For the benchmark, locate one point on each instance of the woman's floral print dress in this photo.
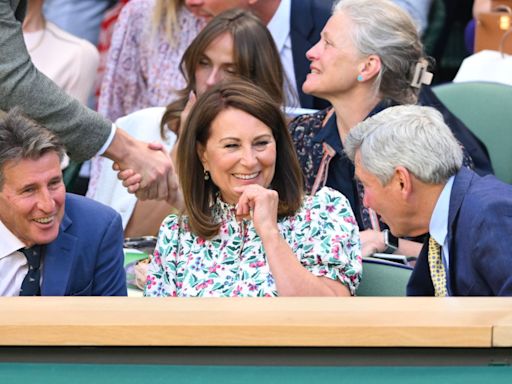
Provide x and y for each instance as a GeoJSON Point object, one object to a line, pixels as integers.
{"type": "Point", "coordinates": [323, 235]}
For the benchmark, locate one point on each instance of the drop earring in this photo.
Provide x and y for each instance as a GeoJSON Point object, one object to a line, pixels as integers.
{"type": "Point", "coordinates": [206, 175]}
{"type": "Point", "coordinates": [359, 78]}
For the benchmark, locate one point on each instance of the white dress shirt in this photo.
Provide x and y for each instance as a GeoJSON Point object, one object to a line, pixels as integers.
{"type": "Point", "coordinates": [13, 264]}
{"type": "Point", "coordinates": [279, 27]}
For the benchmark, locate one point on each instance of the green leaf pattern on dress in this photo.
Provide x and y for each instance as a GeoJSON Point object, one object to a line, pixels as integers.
{"type": "Point", "coordinates": [323, 235]}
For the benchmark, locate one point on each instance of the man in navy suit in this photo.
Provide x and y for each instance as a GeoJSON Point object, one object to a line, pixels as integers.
{"type": "Point", "coordinates": [53, 243]}
{"type": "Point", "coordinates": [295, 26]}
{"type": "Point", "coordinates": [410, 165]}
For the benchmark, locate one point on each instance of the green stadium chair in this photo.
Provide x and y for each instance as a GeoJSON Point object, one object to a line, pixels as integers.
{"type": "Point", "coordinates": [486, 109]}
{"type": "Point", "coordinates": [383, 278]}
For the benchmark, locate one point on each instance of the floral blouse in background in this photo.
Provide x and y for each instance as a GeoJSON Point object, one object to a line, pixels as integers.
{"type": "Point", "coordinates": [142, 69]}
{"type": "Point", "coordinates": [323, 235]}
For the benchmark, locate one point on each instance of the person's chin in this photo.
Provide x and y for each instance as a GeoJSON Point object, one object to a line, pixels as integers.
{"type": "Point", "coordinates": [203, 15]}
{"type": "Point", "coordinates": [310, 88]}
{"type": "Point", "coordinates": [45, 236]}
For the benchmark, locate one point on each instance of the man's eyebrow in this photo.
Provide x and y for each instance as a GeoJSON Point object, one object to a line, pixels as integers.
{"type": "Point", "coordinates": [25, 186]}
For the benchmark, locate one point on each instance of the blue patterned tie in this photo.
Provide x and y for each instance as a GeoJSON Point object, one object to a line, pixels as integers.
{"type": "Point", "coordinates": [31, 283]}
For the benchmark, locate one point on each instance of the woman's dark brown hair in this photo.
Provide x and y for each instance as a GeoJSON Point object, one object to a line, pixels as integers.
{"type": "Point", "coordinates": [199, 193]}
{"type": "Point", "coordinates": [255, 58]}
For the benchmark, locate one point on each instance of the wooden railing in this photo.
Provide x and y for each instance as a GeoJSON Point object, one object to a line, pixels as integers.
{"type": "Point", "coordinates": [319, 322]}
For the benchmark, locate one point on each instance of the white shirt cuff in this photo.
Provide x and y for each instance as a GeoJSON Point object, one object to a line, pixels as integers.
{"type": "Point", "coordinates": [109, 140]}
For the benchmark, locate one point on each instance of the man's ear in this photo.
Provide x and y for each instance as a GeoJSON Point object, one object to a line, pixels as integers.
{"type": "Point", "coordinates": [403, 178]}
{"type": "Point", "coordinates": [370, 67]}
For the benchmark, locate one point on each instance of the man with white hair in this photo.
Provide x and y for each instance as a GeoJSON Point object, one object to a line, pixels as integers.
{"type": "Point", "coordinates": [410, 165]}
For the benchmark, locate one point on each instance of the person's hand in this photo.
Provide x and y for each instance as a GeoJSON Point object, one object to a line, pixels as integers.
{"type": "Point", "coordinates": [372, 241]}
{"type": "Point", "coordinates": [147, 172]}
{"type": "Point", "coordinates": [261, 205]}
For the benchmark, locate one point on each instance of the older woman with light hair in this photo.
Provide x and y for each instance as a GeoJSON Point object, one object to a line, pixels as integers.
{"type": "Point", "coordinates": [370, 57]}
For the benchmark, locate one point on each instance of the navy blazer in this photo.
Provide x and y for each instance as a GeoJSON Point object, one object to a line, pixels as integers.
{"type": "Point", "coordinates": [86, 258]}
{"type": "Point", "coordinates": [479, 237]}
{"type": "Point", "coordinates": [307, 19]}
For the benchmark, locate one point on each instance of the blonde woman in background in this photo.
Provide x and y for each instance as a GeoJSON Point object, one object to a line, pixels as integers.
{"type": "Point", "coordinates": [143, 64]}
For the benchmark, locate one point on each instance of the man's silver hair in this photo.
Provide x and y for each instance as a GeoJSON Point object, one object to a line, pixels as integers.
{"type": "Point", "coordinates": [411, 136]}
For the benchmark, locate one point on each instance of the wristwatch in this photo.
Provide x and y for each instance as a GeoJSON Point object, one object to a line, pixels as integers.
{"type": "Point", "coordinates": [390, 241]}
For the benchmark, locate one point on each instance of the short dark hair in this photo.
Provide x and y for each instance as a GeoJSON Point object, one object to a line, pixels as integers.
{"type": "Point", "coordinates": [199, 193]}
{"type": "Point", "coordinates": [23, 138]}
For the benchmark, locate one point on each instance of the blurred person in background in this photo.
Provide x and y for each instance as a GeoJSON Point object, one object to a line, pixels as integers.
{"type": "Point", "coordinates": [142, 67]}
{"type": "Point", "coordinates": [69, 61]}
{"type": "Point", "coordinates": [295, 26]}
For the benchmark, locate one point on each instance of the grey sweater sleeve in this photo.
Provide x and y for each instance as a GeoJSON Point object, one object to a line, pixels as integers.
{"type": "Point", "coordinates": [82, 130]}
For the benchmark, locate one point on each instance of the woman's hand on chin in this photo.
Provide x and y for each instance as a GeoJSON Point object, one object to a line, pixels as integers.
{"type": "Point", "coordinates": [261, 205]}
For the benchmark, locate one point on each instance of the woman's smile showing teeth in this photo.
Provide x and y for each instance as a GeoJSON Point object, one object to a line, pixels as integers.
{"type": "Point", "coordinates": [245, 176]}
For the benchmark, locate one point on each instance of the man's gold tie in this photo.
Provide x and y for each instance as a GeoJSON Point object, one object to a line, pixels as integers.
{"type": "Point", "coordinates": [437, 272]}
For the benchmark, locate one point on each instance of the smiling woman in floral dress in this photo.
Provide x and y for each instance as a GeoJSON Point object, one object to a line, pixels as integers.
{"type": "Point", "coordinates": [248, 230]}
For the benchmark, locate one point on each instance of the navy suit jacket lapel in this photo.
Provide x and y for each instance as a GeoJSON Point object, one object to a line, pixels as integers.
{"type": "Point", "coordinates": [301, 28]}
{"type": "Point", "coordinates": [459, 189]}
{"type": "Point", "coordinates": [420, 283]}
{"type": "Point", "coordinates": [58, 261]}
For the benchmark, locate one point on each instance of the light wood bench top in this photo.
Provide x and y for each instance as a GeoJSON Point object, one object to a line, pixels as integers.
{"type": "Point", "coordinates": [325, 322]}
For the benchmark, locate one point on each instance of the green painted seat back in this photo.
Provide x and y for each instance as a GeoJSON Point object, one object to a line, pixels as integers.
{"type": "Point", "coordinates": [383, 278]}
{"type": "Point", "coordinates": [486, 109]}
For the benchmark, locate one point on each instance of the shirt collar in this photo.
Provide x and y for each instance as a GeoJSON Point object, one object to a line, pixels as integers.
{"type": "Point", "coordinates": [221, 210]}
{"type": "Point", "coordinates": [329, 134]}
{"type": "Point", "coordinates": [386, 103]}
{"type": "Point", "coordinates": [10, 243]}
{"type": "Point", "coordinates": [279, 25]}
{"type": "Point", "coordinates": [438, 227]}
